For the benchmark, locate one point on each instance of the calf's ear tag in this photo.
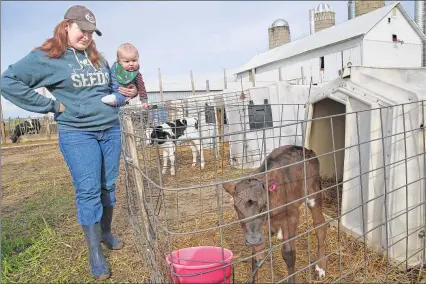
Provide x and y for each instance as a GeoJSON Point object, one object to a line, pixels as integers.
{"type": "Point", "coordinates": [273, 185]}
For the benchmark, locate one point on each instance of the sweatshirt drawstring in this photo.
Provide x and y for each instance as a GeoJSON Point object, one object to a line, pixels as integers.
{"type": "Point", "coordinates": [76, 58]}
{"type": "Point", "coordinates": [87, 57]}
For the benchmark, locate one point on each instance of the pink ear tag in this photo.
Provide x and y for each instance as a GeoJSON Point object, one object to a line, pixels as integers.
{"type": "Point", "coordinates": [273, 185]}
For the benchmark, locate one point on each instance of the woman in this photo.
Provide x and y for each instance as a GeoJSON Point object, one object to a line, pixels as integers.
{"type": "Point", "coordinates": [71, 68]}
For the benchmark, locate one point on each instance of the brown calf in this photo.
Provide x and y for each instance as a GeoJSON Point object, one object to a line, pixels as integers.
{"type": "Point", "coordinates": [285, 185]}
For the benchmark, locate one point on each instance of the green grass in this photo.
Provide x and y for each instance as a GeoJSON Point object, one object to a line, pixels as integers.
{"type": "Point", "coordinates": [29, 237]}
{"type": "Point", "coordinates": [23, 254]}
{"type": "Point", "coordinates": [42, 240]}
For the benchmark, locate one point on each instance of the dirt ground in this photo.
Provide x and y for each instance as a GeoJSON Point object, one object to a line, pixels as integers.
{"type": "Point", "coordinates": [47, 245]}
{"type": "Point", "coordinates": [36, 189]}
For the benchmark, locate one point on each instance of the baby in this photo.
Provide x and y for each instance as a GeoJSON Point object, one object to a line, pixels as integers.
{"type": "Point", "coordinates": [125, 71]}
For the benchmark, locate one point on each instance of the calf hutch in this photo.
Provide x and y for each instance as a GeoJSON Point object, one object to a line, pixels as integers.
{"type": "Point", "coordinates": [366, 130]}
{"type": "Point", "coordinates": [375, 127]}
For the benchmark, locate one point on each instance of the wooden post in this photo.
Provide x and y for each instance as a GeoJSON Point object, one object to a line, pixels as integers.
{"type": "Point", "coordinates": [161, 85]}
{"type": "Point", "coordinates": [131, 152]}
{"type": "Point", "coordinates": [225, 82]}
{"type": "Point", "coordinates": [303, 75]}
{"type": "Point", "coordinates": [207, 86]}
{"type": "Point", "coordinates": [47, 120]}
{"type": "Point", "coordinates": [192, 82]}
{"type": "Point", "coordinates": [280, 77]}
{"type": "Point", "coordinates": [2, 126]}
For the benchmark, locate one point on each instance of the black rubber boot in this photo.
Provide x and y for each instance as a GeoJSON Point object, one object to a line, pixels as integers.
{"type": "Point", "coordinates": [98, 265]}
{"type": "Point", "coordinates": [111, 241]}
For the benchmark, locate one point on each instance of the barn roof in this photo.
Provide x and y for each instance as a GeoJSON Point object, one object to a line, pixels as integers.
{"type": "Point", "coordinates": [350, 29]}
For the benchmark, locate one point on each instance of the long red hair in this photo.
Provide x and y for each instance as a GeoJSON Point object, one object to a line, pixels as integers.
{"type": "Point", "coordinates": [57, 45]}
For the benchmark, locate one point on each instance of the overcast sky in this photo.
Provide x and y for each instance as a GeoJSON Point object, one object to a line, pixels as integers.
{"type": "Point", "coordinates": [205, 37]}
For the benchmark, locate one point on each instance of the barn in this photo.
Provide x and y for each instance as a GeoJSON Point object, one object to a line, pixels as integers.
{"type": "Point", "coordinates": [385, 37]}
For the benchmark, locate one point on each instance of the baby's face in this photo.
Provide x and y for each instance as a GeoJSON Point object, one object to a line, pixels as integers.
{"type": "Point", "coordinates": [129, 60]}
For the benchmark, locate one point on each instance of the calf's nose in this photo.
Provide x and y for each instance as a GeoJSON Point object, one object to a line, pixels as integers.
{"type": "Point", "coordinates": [254, 240]}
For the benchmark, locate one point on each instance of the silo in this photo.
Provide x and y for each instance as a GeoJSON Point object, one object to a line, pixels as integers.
{"type": "Point", "coordinates": [311, 20]}
{"type": "Point", "coordinates": [363, 7]}
{"type": "Point", "coordinates": [351, 10]}
{"type": "Point", "coordinates": [279, 33]}
{"type": "Point", "coordinates": [324, 17]}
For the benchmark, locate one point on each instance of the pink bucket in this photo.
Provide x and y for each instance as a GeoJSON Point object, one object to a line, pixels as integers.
{"type": "Point", "coordinates": [195, 260]}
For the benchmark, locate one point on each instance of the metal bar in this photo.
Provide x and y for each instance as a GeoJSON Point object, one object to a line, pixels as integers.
{"type": "Point", "coordinates": [406, 186]}
{"type": "Point", "coordinates": [268, 206]}
{"type": "Point", "coordinates": [306, 202]}
{"type": "Point", "coordinates": [385, 197]}
{"type": "Point", "coordinates": [424, 181]}
{"type": "Point", "coordinates": [338, 197]}
{"type": "Point", "coordinates": [219, 207]}
{"type": "Point", "coordinates": [297, 126]}
{"type": "Point", "coordinates": [361, 195]}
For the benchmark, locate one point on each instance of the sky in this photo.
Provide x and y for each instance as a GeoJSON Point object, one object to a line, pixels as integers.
{"type": "Point", "coordinates": [175, 36]}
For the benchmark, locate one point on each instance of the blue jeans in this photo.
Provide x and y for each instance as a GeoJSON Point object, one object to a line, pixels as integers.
{"type": "Point", "coordinates": [93, 158]}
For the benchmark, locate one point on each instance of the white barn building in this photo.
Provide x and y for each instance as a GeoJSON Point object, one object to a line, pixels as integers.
{"type": "Point", "coordinates": [386, 37]}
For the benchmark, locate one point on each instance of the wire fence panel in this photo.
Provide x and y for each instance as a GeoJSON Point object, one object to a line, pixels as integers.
{"type": "Point", "coordinates": [285, 192]}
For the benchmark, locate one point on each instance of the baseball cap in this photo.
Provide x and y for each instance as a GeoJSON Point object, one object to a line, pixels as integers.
{"type": "Point", "coordinates": [83, 17]}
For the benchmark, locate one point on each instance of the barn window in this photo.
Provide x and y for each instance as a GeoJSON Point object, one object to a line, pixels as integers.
{"type": "Point", "coordinates": [251, 75]}
{"type": "Point", "coordinates": [322, 63]}
{"type": "Point", "coordinates": [394, 38]}
{"type": "Point", "coordinates": [394, 12]}
{"type": "Point", "coordinates": [209, 113]}
{"type": "Point", "coordinates": [260, 116]}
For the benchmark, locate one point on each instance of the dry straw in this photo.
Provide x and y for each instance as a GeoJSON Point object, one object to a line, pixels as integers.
{"type": "Point", "coordinates": [194, 210]}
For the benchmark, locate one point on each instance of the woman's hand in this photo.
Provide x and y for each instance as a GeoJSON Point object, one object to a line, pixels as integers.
{"type": "Point", "coordinates": [130, 91]}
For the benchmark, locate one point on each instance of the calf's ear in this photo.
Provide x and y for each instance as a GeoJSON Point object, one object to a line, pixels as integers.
{"type": "Point", "coordinates": [229, 187]}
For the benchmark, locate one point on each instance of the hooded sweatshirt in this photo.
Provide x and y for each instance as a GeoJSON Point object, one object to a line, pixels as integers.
{"type": "Point", "coordinates": [72, 79]}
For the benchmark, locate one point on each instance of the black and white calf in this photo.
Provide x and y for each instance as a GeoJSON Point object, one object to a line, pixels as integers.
{"type": "Point", "coordinates": [29, 126]}
{"type": "Point", "coordinates": [186, 132]}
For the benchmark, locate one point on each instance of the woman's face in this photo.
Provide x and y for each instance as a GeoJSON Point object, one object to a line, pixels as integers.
{"type": "Point", "coordinates": [77, 38]}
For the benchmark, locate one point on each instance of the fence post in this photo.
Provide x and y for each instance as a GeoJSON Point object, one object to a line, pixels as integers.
{"type": "Point", "coordinates": [10, 128]}
{"type": "Point", "coordinates": [130, 144]}
{"type": "Point", "coordinates": [225, 82]}
{"type": "Point", "coordinates": [161, 85]}
{"type": "Point", "coordinates": [47, 119]}
{"type": "Point", "coordinates": [192, 83]}
{"type": "Point", "coordinates": [3, 125]}
{"type": "Point", "coordinates": [3, 132]}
